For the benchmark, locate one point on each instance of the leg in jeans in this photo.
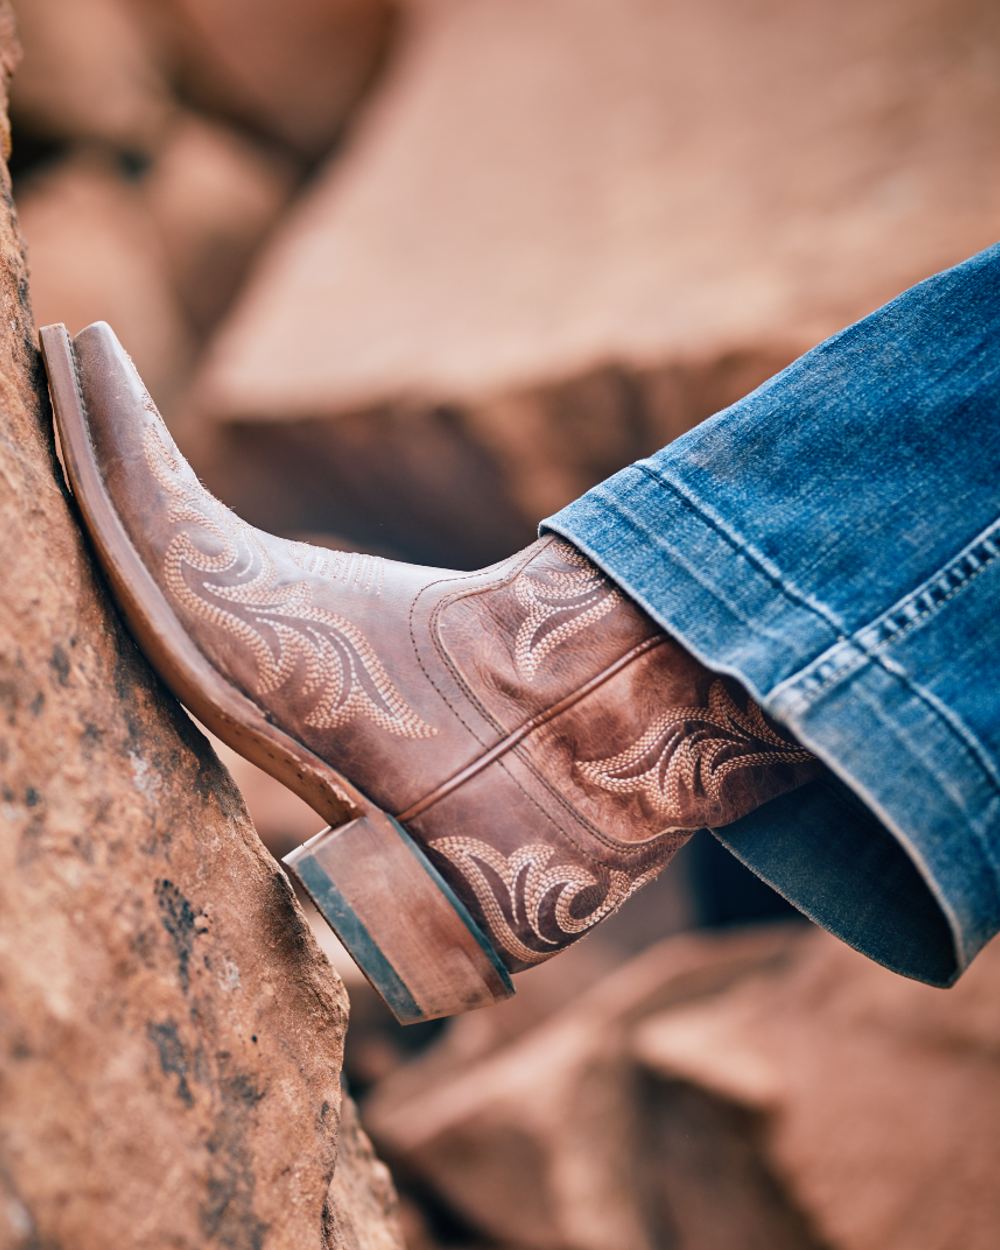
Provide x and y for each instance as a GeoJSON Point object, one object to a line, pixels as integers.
{"type": "Point", "coordinates": [781, 627]}
{"type": "Point", "coordinates": [833, 542]}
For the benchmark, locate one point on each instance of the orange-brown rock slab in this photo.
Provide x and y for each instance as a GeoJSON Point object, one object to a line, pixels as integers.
{"type": "Point", "coordinates": [362, 1210]}
{"type": "Point", "coordinates": [170, 1038]}
{"type": "Point", "coordinates": [89, 73]}
{"type": "Point", "coordinates": [867, 1100]}
{"type": "Point", "coordinates": [541, 1143]}
{"type": "Point", "coordinates": [771, 1090]}
{"type": "Point", "coordinates": [212, 195]}
{"type": "Point", "coordinates": [558, 223]}
{"type": "Point", "coordinates": [95, 254]}
{"type": "Point", "coordinates": [294, 71]}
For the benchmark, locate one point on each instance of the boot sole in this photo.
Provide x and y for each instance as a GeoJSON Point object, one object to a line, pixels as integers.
{"type": "Point", "coordinates": [401, 922]}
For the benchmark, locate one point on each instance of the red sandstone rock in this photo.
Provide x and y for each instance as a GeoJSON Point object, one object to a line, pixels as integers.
{"type": "Point", "coordinates": [95, 254]}
{"type": "Point", "coordinates": [282, 820]}
{"type": "Point", "coordinates": [293, 70]}
{"type": "Point", "coordinates": [539, 1143]}
{"type": "Point", "coordinates": [89, 72]}
{"type": "Point", "coordinates": [867, 1100]}
{"type": "Point", "coordinates": [362, 1210]}
{"type": "Point", "coordinates": [213, 196]}
{"type": "Point", "coordinates": [560, 224]}
{"type": "Point", "coordinates": [170, 1036]}
{"type": "Point", "coordinates": [770, 1090]}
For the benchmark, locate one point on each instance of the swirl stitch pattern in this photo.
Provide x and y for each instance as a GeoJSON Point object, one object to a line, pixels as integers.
{"type": "Point", "coordinates": [218, 569]}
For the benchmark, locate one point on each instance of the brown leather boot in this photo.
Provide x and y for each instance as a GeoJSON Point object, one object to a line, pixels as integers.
{"type": "Point", "coordinates": [503, 756]}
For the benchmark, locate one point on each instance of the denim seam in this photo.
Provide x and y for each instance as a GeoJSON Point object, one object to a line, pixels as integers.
{"type": "Point", "coordinates": [834, 670]}
{"type": "Point", "coordinates": [824, 680]}
{"type": "Point", "coordinates": [979, 838]}
{"type": "Point", "coordinates": [895, 632]}
{"type": "Point", "coordinates": [970, 745]}
{"type": "Point", "coordinates": [757, 558]}
{"type": "Point", "coordinates": [969, 742]}
{"type": "Point", "coordinates": [620, 513]}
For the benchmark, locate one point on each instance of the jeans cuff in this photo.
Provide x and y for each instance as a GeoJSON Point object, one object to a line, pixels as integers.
{"type": "Point", "coordinates": [880, 852]}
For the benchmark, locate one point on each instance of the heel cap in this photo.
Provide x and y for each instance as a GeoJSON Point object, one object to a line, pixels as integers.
{"type": "Point", "coordinates": [400, 921]}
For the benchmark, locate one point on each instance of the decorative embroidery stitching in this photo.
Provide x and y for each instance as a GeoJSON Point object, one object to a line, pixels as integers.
{"type": "Point", "coordinates": [279, 624]}
{"type": "Point", "coordinates": [353, 569]}
{"type": "Point", "coordinates": [693, 749]}
{"type": "Point", "coordinates": [559, 604]}
{"type": "Point", "coordinates": [528, 880]}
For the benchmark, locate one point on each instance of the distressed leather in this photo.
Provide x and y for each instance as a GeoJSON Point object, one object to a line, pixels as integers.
{"type": "Point", "coordinates": [543, 740]}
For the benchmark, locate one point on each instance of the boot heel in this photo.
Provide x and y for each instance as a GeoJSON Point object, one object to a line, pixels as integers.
{"type": "Point", "coordinates": [403, 925]}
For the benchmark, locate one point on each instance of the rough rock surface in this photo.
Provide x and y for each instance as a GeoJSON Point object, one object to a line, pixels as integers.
{"type": "Point", "coordinates": [170, 1038]}
{"type": "Point", "coordinates": [566, 229]}
{"type": "Point", "coordinates": [771, 1090]}
{"type": "Point", "coordinates": [361, 1210]}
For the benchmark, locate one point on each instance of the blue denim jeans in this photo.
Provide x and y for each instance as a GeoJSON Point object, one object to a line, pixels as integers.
{"type": "Point", "coordinates": [833, 541]}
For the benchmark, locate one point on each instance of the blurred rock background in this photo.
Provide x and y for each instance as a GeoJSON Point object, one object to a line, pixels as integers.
{"type": "Point", "coordinates": [409, 276]}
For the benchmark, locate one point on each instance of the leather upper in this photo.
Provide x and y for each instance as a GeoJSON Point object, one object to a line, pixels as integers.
{"type": "Point", "coordinates": [530, 725]}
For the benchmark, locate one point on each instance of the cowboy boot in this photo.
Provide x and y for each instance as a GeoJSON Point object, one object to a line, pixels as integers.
{"type": "Point", "coordinates": [502, 756]}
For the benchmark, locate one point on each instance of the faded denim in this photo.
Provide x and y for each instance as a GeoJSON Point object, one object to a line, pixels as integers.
{"type": "Point", "coordinates": [833, 541]}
